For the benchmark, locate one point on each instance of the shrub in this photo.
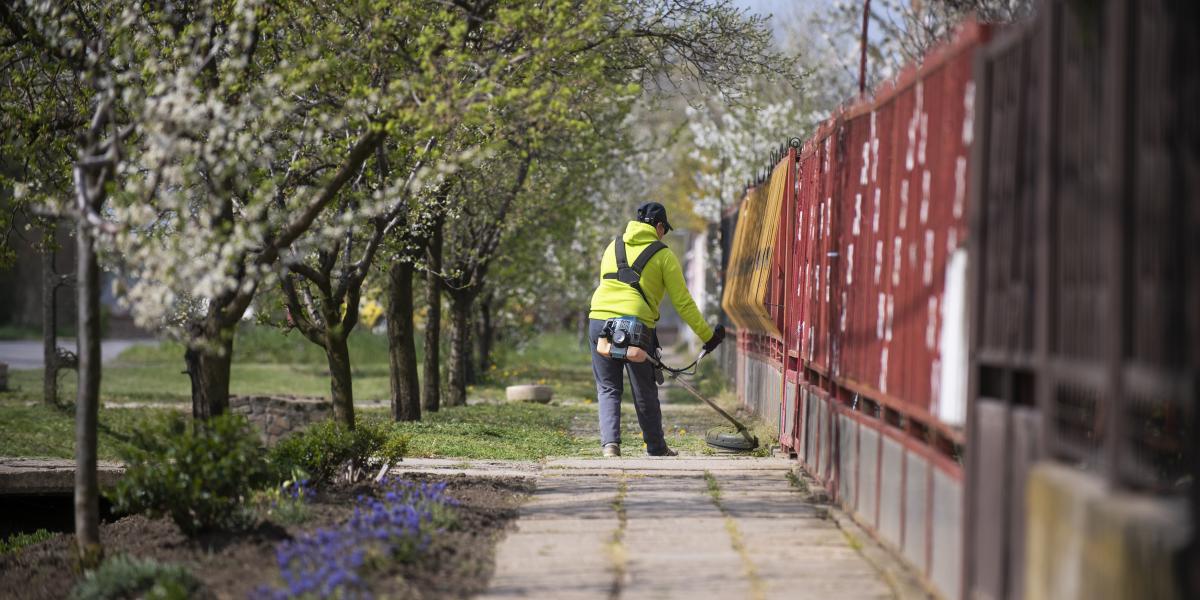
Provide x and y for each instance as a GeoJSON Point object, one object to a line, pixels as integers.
{"type": "Point", "coordinates": [19, 540]}
{"type": "Point", "coordinates": [123, 577]}
{"type": "Point", "coordinates": [394, 447]}
{"type": "Point", "coordinates": [287, 503]}
{"type": "Point", "coordinates": [197, 473]}
{"type": "Point", "coordinates": [324, 449]}
{"type": "Point", "coordinates": [398, 525]}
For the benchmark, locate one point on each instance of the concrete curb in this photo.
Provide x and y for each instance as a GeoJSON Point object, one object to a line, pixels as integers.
{"type": "Point", "coordinates": [49, 476]}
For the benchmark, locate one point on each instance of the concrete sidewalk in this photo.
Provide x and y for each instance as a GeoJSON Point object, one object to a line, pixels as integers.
{"type": "Point", "coordinates": [701, 527]}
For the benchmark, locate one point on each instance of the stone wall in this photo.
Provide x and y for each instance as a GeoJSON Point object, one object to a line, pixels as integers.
{"type": "Point", "coordinates": [277, 416]}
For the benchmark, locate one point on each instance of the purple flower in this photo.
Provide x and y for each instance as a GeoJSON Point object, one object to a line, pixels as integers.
{"type": "Point", "coordinates": [327, 562]}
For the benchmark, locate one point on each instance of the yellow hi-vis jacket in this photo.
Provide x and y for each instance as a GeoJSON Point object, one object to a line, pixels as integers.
{"type": "Point", "coordinates": [662, 274]}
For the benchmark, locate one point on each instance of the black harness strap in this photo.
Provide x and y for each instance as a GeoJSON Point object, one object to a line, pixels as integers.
{"type": "Point", "coordinates": [633, 275]}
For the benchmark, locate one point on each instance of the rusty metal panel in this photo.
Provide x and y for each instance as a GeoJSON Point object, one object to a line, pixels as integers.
{"type": "Point", "coordinates": [990, 533]}
{"type": "Point", "coordinates": [856, 137]}
{"type": "Point", "coordinates": [1082, 275]}
{"type": "Point", "coordinates": [946, 558]}
{"type": "Point", "coordinates": [1159, 398]}
{"type": "Point", "coordinates": [1008, 270]}
{"type": "Point", "coordinates": [868, 476]}
{"type": "Point", "coordinates": [1026, 431]}
{"type": "Point", "coordinates": [828, 443]}
{"type": "Point", "coordinates": [891, 492]}
{"type": "Point", "coordinates": [811, 430]}
{"type": "Point", "coordinates": [847, 461]}
{"type": "Point", "coordinates": [783, 186]}
{"type": "Point", "coordinates": [916, 511]}
{"type": "Point", "coordinates": [803, 240]}
{"type": "Point", "coordinates": [787, 433]}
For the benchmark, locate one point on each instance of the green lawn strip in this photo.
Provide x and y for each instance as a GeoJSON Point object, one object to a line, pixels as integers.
{"type": "Point", "coordinates": [269, 361]}
{"type": "Point", "coordinates": [497, 431]}
{"type": "Point", "coordinates": [124, 382]}
{"type": "Point", "coordinates": [152, 374]}
{"type": "Point", "coordinates": [257, 344]}
{"type": "Point", "coordinates": [29, 428]}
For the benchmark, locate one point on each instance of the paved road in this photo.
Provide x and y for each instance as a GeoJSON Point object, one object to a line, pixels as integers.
{"type": "Point", "coordinates": [687, 527]}
{"type": "Point", "coordinates": [27, 354]}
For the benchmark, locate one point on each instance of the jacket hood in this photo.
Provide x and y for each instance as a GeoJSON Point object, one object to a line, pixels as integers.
{"type": "Point", "coordinates": [638, 233]}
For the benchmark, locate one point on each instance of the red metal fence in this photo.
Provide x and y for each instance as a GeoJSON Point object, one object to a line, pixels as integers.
{"type": "Point", "coordinates": [1080, 312]}
{"type": "Point", "coordinates": [874, 214]}
{"type": "Point", "coordinates": [1086, 341]}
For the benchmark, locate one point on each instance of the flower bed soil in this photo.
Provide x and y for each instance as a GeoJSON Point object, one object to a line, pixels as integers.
{"type": "Point", "coordinates": [457, 564]}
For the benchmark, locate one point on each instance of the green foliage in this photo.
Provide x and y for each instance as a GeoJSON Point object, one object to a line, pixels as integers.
{"type": "Point", "coordinates": [286, 504]}
{"type": "Point", "coordinates": [124, 577]}
{"type": "Point", "coordinates": [708, 380]}
{"type": "Point", "coordinates": [197, 473]}
{"type": "Point", "coordinates": [19, 540]}
{"type": "Point", "coordinates": [324, 449]}
{"type": "Point", "coordinates": [395, 447]}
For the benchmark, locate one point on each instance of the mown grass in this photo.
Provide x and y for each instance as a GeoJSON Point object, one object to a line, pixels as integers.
{"type": "Point", "coordinates": [488, 430]}
{"type": "Point", "coordinates": [256, 344]}
{"type": "Point", "coordinates": [561, 360]}
{"type": "Point", "coordinates": [30, 428]}
{"type": "Point", "coordinates": [266, 361]}
{"type": "Point", "coordinates": [499, 431]}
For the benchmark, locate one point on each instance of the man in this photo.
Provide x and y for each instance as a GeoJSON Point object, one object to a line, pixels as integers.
{"type": "Point", "coordinates": [659, 273]}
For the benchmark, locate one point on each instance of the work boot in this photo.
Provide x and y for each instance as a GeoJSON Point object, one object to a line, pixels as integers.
{"type": "Point", "coordinates": [612, 450]}
{"type": "Point", "coordinates": [666, 452]}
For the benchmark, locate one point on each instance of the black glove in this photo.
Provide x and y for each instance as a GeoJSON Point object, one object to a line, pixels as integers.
{"type": "Point", "coordinates": [715, 340]}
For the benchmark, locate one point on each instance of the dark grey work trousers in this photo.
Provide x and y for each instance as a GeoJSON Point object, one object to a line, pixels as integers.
{"type": "Point", "coordinates": [610, 386]}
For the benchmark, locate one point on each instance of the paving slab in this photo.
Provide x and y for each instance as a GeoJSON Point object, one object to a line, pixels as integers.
{"type": "Point", "coordinates": [673, 464]}
{"type": "Point", "coordinates": [634, 528]}
{"type": "Point", "coordinates": [562, 547]}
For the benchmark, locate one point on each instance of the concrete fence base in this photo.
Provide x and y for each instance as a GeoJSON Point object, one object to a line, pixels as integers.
{"type": "Point", "coordinates": [1084, 541]}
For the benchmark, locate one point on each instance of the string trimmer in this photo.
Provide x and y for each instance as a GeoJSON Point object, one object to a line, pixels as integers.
{"type": "Point", "coordinates": [625, 338]}
{"type": "Point", "coordinates": [740, 440]}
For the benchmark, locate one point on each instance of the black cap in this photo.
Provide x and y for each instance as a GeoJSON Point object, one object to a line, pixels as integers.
{"type": "Point", "coordinates": [653, 213]}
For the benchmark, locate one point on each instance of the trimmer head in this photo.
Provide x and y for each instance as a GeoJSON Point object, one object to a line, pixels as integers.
{"type": "Point", "coordinates": [730, 440]}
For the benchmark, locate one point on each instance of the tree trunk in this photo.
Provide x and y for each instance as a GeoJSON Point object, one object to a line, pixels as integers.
{"type": "Point", "coordinates": [50, 282]}
{"type": "Point", "coordinates": [472, 375]}
{"type": "Point", "coordinates": [431, 393]}
{"type": "Point", "coordinates": [460, 347]}
{"type": "Point", "coordinates": [402, 352]}
{"type": "Point", "coordinates": [341, 385]}
{"type": "Point", "coordinates": [87, 400]}
{"type": "Point", "coordinates": [486, 336]}
{"type": "Point", "coordinates": [208, 367]}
